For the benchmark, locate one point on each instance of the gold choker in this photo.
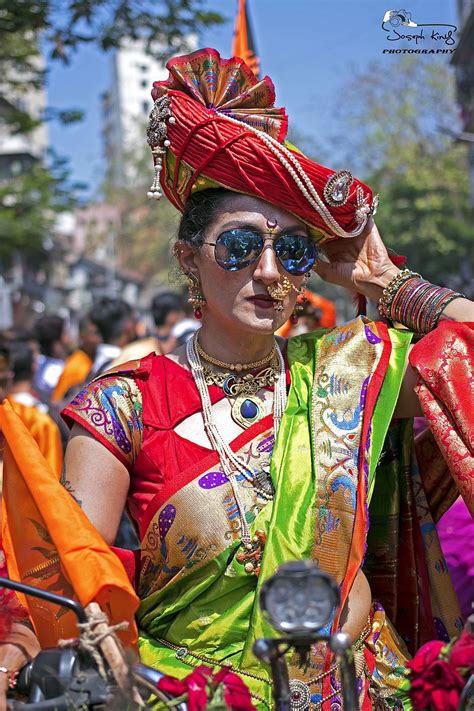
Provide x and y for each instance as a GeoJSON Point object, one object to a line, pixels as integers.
{"type": "Point", "coordinates": [233, 386]}
{"type": "Point", "coordinates": [235, 367]}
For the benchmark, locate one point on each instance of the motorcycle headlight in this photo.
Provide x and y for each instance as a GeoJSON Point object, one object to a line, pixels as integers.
{"type": "Point", "coordinates": [299, 599]}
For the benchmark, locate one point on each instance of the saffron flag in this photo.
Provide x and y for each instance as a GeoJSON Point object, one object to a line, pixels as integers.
{"type": "Point", "coordinates": [243, 45]}
{"type": "Point", "coordinates": [50, 543]}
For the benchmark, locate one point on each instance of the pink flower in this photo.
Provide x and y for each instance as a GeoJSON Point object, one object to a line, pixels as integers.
{"type": "Point", "coordinates": [427, 654]}
{"type": "Point", "coordinates": [434, 682]}
{"type": "Point", "coordinates": [236, 693]}
{"type": "Point", "coordinates": [201, 683]}
{"type": "Point", "coordinates": [194, 685]}
{"type": "Point", "coordinates": [462, 654]}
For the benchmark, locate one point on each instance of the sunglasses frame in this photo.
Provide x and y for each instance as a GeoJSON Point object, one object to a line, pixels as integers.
{"type": "Point", "coordinates": [275, 239]}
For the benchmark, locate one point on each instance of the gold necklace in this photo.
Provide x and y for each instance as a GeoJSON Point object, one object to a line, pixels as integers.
{"type": "Point", "coordinates": [248, 384]}
{"type": "Point", "coordinates": [247, 407]}
{"type": "Point", "coordinates": [237, 367]}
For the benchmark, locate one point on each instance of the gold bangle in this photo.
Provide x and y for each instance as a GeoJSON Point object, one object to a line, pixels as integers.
{"type": "Point", "coordinates": [389, 292]}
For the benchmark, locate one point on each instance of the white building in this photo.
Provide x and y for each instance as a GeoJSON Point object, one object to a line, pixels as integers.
{"type": "Point", "coordinates": [127, 104]}
{"type": "Point", "coordinates": [19, 151]}
{"type": "Point", "coordinates": [126, 107]}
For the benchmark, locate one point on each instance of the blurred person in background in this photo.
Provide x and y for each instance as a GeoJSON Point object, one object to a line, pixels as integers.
{"type": "Point", "coordinates": [32, 411]}
{"type": "Point", "coordinates": [23, 335]}
{"type": "Point", "coordinates": [168, 310]}
{"type": "Point", "coordinates": [24, 365]}
{"type": "Point", "coordinates": [184, 329]}
{"type": "Point", "coordinates": [79, 364]}
{"type": "Point", "coordinates": [312, 311]}
{"type": "Point", "coordinates": [116, 323]}
{"type": "Point", "coordinates": [142, 345]}
{"type": "Point", "coordinates": [55, 344]}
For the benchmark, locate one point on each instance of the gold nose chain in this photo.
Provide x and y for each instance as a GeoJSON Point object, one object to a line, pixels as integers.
{"type": "Point", "coordinates": [279, 290]}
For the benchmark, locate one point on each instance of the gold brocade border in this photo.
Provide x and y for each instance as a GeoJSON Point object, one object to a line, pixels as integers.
{"type": "Point", "coordinates": [200, 520]}
{"type": "Point", "coordinates": [194, 660]}
{"type": "Point", "coordinates": [346, 360]}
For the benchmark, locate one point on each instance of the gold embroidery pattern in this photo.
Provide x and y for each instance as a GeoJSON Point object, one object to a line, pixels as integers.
{"type": "Point", "coordinates": [346, 361]}
{"type": "Point", "coordinates": [200, 520]}
{"type": "Point", "coordinates": [337, 416]}
{"type": "Point", "coordinates": [112, 406]}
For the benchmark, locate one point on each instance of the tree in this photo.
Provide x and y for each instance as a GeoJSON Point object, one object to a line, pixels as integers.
{"type": "Point", "coordinates": [65, 25]}
{"type": "Point", "coordinates": [148, 227]}
{"type": "Point", "coordinates": [30, 199]}
{"type": "Point", "coordinates": [393, 132]}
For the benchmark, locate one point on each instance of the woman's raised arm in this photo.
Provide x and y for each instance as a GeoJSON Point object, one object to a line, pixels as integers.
{"type": "Point", "coordinates": [362, 264]}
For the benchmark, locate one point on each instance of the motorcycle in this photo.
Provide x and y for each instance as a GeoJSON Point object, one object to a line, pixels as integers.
{"type": "Point", "coordinates": [299, 601]}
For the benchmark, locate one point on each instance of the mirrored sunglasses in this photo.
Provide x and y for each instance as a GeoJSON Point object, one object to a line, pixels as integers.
{"type": "Point", "coordinates": [238, 248]}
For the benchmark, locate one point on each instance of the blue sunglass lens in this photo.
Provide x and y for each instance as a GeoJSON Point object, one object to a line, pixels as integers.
{"type": "Point", "coordinates": [296, 253]}
{"type": "Point", "coordinates": [236, 249]}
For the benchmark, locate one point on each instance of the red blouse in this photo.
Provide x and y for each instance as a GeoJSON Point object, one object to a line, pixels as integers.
{"type": "Point", "coordinates": [134, 412]}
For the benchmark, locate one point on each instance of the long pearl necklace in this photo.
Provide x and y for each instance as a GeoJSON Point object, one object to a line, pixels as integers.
{"type": "Point", "coordinates": [231, 463]}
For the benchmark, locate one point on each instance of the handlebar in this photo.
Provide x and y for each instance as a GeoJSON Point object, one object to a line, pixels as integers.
{"type": "Point", "coordinates": [47, 596]}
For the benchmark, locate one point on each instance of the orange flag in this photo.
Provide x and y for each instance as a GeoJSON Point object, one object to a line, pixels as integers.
{"type": "Point", "coordinates": [243, 45]}
{"type": "Point", "coordinates": [50, 543]}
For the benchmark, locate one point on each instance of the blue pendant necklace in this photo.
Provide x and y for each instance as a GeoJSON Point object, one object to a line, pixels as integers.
{"type": "Point", "coordinates": [248, 409]}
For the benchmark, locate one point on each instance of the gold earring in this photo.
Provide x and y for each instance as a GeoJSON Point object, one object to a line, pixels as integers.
{"type": "Point", "coordinates": [301, 302]}
{"type": "Point", "coordinates": [195, 298]}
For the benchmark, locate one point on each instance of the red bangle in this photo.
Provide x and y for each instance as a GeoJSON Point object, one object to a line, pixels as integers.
{"type": "Point", "coordinates": [12, 677]}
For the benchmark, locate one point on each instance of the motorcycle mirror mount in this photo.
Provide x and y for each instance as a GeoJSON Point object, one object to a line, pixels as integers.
{"type": "Point", "coordinates": [299, 599]}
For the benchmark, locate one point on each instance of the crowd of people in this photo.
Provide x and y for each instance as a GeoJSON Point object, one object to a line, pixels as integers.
{"type": "Point", "coordinates": [42, 368]}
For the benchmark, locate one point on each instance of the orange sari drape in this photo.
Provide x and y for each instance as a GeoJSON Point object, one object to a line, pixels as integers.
{"type": "Point", "coordinates": [44, 431]}
{"type": "Point", "coordinates": [50, 543]}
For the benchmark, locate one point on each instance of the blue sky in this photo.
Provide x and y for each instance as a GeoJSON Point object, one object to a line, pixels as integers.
{"type": "Point", "coordinates": [310, 48]}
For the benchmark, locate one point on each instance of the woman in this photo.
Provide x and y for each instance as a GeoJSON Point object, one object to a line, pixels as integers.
{"type": "Point", "coordinates": [237, 452]}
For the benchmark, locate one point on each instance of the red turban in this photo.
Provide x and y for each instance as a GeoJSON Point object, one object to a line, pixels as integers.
{"type": "Point", "coordinates": [215, 125]}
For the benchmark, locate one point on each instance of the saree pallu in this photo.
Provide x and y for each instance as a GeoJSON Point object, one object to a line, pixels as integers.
{"type": "Point", "coordinates": [198, 603]}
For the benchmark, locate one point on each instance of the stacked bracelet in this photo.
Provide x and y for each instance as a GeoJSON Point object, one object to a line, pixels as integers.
{"type": "Point", "coordinates": [391, 289]}
{"type": "Point", "coordinates": [410, 300]}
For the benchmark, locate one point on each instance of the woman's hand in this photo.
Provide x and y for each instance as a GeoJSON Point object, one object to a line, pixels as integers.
{"type": "Point", "coordinates": [360, 264]}
{"type": "Point", "coordinates": [3, 691]}
{"type": "Point", "coordinates": [20, 645]}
